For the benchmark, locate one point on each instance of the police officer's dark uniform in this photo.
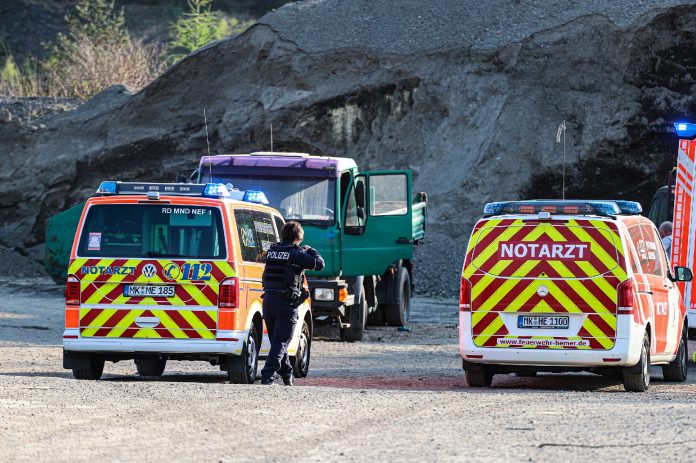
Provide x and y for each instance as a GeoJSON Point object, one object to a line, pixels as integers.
{"type": "Point", "coordinates": [283, 279]}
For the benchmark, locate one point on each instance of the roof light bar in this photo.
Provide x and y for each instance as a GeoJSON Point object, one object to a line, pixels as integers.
{"type": "Point", "coordinates": [604, 208]}
{"type": "Point", "coordinates": [255, 197]}
{"type": "Point", "coordinates": [685, 129]}
{"type": "Point", "coordinates": [155, 190]}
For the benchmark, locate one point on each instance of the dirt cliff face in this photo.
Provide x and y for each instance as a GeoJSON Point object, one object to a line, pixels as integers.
{"type": "Point", "coordinates": [469, 101]}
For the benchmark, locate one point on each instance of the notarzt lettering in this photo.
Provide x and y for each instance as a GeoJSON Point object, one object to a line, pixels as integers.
{"type": "Point", "coordinates": [550, 250]}
{"type": "Point", "coordinates": [278, 255]}
{"type": "Point", "coordinates": [107, 270]}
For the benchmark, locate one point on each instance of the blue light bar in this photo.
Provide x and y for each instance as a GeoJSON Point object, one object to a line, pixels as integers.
{"type": "Point", "coordinates": [629, 207]}
{"type": "Point", "coordinates": [216, 190]}
{"type": "Point", "coordinates": [494, 208]}
{"type": "Point", "coordinates": [108, 187]}
{"type": "Point", "coordinates": [252, 196]}
{"type": "Point", "coordinates": [606, 207]}
{"type": "Point", "coordinates": [685, 129]}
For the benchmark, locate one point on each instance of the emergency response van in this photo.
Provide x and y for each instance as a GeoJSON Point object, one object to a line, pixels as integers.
{"type": "Point", "coordinates": [569, 286]}
{"type": "Point", "coordinates": [172, 272]}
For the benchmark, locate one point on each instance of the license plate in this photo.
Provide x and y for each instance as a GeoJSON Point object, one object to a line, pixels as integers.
{"type": "Point", "coordinates": [543, 321]}
{"type": "Point", "coordinates": [148, 291]}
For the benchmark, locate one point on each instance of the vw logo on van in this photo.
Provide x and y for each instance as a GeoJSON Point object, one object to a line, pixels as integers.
{"type": "Point", "coordinates": [149, 271]}
{"type": "Point", "coordinates": [542, 291]}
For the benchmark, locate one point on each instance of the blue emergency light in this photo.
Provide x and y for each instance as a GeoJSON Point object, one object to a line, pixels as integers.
{"type": "Point", "coordinates": [569, 207]}
{"type": "Point", "coordinates": [216, 190]}
{"type": "Point", "coordinates": [252, 196]}
{"type": "Point", "coordinates": [108, 187]}
{"type": "Point", "coordinates": [685, 129]}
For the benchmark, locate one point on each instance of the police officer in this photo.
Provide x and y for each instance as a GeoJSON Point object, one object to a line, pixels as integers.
{"type": "Point", "coordinates": [284, 292]}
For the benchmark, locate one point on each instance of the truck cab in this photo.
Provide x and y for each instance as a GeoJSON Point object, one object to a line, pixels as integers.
{"type": "Point", "coordinates": [364, 224]}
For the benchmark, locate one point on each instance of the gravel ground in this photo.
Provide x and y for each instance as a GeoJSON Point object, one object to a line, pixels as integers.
{"type": "Point", "coordinates": [397, 395]}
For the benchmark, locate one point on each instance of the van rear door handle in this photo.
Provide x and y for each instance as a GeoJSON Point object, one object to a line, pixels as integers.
{"type": "Point", "coordinates": [403, 240]}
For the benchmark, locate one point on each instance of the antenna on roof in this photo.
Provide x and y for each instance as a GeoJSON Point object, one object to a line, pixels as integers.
{"type": "Point", "coordinates": [562, 131]}
{"type": "Point", "coordinates": [207, 141]}
{"type": "Point", "coordinates": [271, 137]}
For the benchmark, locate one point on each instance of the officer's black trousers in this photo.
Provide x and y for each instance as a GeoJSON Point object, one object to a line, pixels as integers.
{"type": "Point", "coordinates": [281, 318]}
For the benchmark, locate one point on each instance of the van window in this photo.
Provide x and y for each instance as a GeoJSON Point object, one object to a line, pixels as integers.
{"type": "Point", "coordinates": [279, 225]}
{"type": "Point", "coordinates": [649, 251]}
{"type": "Point", "coordinates": [256, 233]}
{"type": "Point", "coordinates": [141, 231]}
{"type": "Point", "coordinates": [656, 253]}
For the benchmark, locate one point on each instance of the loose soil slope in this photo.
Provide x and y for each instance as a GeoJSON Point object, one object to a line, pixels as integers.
{"type": "Point", "coordinates": [467, 96]}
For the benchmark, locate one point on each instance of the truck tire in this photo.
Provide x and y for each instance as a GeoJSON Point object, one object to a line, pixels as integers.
{"type": "Point", "coordinates": [300, 362]}
{"type": "Point", "coordinates": [243, 368]}
{"type": "Point", "coordinates": [479, 377]}
{"type": "Point", "coordinates": [376, 317]}
{"type": "Point", "coordinates": [150, 366]}
{"type": "Point", "coordinates": [357, 316]}
{"type": "Point", "coordinates": [398, 314]}
{"type": "Point", "coordinates": [93, 372]}
{"type": "Point", "coordinates": [676, 370]}
{"type": "Point", "coordinates": [637, 377]}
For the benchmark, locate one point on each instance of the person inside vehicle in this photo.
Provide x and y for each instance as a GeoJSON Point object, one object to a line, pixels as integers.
{"type": "Point", "coordinates": [666, 236]}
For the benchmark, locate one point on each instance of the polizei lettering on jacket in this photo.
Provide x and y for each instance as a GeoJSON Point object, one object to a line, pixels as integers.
{"type": "Point", "coordinates": [107, 270]}
{"type": "Point", "coordinates": [278, 255]}
{"type": "Point", "coordinates": [514, 250]}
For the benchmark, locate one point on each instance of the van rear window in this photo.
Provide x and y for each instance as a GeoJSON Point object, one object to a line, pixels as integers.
{"type": "Point", "coordinates": [152, 231]}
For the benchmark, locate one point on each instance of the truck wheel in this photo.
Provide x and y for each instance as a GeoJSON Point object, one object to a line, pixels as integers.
{"type": "Point", "coordinates": [692, 333]}
{"type": "Point", "coordinates": [479, 377]}
{"type": "Point", "coordinates": [376, 317]}
{"type": "Point", "coordinates": [93, 372]}
{"type": "Point", "coordinates": [637, 377]}
{"type": "Point", "coordinates": [357, 316]}
{"type": "Point", "coordinates": [676, 370]}
{"type": "Point", "coordinates": [243, 368]}
{"type": "Point", "coordinates": [398, 314]}
{"type": "Point", "coordinates": [300, 362]}
{"type": "Point", "coordinates": [150, 366]}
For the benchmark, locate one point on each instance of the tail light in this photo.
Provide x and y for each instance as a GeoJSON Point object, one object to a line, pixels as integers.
{"type": "Point", "coordinates": [465, 296]}
{"type": "Point", "coordinates": [625, 297]}
{"type": "Point", "coordinates": [72, 290]}
{"type": "Point", "coordinates": [229, 294]}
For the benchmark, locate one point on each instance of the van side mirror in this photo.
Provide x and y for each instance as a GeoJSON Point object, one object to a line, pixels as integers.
{"type": "Point", "coordinates": [360, 194]}
{"type": "Point", "coordinates": [683, 274]}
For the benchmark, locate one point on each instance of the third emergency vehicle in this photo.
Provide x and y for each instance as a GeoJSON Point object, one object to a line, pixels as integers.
{"type": "Point", "coordinates": [570, 285]}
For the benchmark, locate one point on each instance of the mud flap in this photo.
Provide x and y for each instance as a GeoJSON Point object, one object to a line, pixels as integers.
{"type": "Point", "coordinates": [75, 360]}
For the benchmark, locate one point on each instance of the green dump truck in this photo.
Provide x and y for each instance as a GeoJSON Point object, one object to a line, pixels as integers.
{"type": "Point", "coordinates": [365, 225]}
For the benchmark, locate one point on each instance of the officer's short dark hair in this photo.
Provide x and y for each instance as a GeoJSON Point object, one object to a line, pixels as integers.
{"type": "Point", "coordinates": [292, 231]}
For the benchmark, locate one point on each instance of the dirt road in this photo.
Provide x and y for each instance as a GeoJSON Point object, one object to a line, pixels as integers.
{"type": "Point", "coordinates": [399, 395]}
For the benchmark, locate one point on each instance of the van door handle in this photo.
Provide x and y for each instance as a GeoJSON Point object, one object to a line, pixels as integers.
{"type": "Point", "coordinates": [403, 240]}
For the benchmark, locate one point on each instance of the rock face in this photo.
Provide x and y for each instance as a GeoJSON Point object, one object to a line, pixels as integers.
{"type": "Point", "coordinates": [468, 96]}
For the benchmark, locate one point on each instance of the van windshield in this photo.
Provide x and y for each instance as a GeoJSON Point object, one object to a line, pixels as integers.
{"type": "Point", "coordinates": [152, 231]}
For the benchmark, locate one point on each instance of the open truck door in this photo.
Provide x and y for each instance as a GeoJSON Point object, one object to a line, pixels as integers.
{"type": "Point", "coordinates": [378, 222]}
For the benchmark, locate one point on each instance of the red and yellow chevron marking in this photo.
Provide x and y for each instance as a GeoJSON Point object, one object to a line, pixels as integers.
{"type": "Point", "coordinates": [583, 286]}
{"type": "Point", "coordinates": [172, 323]}
{"type": "Point", "coordinates": [105, 287]}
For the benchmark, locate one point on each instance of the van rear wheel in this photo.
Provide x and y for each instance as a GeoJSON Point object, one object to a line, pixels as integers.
{"type": "Point", "coordinates": [300, 362]}
{"type": "Point", "coordinates": [93, 372]}
{"type": "Point", "coordinates": [676, 370]}
{"type": "Point", "coordinates": [479, 377]}
{"type": "Point", "coordinates": [637, 377]}
{"type": "Point", "coordinates": [243, 368]}
{"type": "Point", "coordinates": [150, 366]}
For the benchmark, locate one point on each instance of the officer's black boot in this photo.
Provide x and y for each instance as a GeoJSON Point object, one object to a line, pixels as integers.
{"type": "Point", "coordinates": [267, 381]}
{"type": "Point", "coordinates": [289, 380]}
